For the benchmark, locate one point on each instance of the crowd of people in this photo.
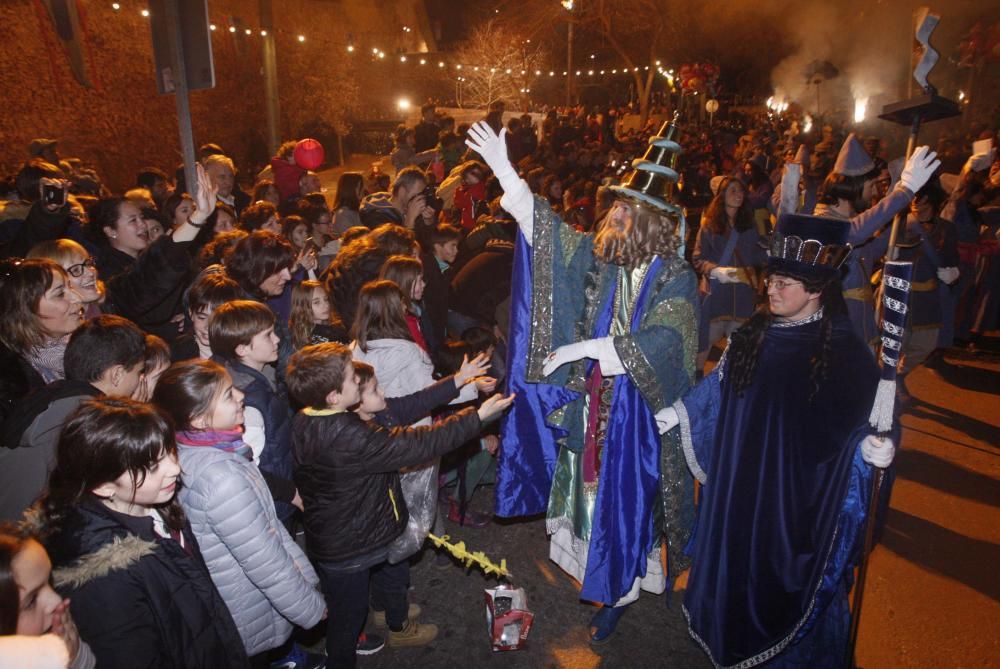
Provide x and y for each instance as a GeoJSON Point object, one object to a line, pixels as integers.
{"type": "Point", "coordinates": [191, 376]}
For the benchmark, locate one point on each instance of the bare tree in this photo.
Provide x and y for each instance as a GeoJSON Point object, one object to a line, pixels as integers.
{"type": "Point", "coordinates": [498, 63]}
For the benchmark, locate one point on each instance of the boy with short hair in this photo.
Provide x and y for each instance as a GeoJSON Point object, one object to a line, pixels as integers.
{"type": "Point", "coordinates": [207, 292]}
{"type": "Point", "coordinates": [241, 334]}
{"type": "Point", "coordinates": [347, 470]}
{"type": "Point", "coordinates": [443, 240]}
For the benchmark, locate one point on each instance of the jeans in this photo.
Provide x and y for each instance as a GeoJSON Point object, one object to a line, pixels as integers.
{"type": "Point", "coordinates": [347, 595]}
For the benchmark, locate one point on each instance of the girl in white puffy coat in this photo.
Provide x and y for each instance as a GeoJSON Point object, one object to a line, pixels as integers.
{"type": "Point", "coordinates": [263, 576]}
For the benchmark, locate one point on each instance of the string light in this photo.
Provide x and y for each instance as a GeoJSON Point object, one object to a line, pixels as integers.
{"type": "Point", "coordinates": [115, 6]}
{"type": "Point", "coordinates": [249, 32]}
{"type": "Point", "coordinates": [350, 48]}
{"type": "Point", "coordinates": [145, 13]}
{"type": "Point", "coordinates": [402, 59]}
{"type": "Point", "coordinates": [232, 29]}
{"type": "Point", "coordinates": [302, 38]}
{"type": "Point", "coordinates": [263, 33]}
{"type": "Point", "coordinates": [212, 27]}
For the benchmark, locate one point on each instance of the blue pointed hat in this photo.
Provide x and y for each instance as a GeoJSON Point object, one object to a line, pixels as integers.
{"type": "Point", "coordinates": [809, 246]}
{"type": "Point", "coordinates": [853, 160]}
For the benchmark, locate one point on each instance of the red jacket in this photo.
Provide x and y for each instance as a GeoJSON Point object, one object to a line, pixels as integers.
{"type": "Point", "coordinates": [466, 198]}
{"type": "Point", "coordinates": [286, 177]}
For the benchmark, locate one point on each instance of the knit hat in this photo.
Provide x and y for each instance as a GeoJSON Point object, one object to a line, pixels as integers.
{"type": "Point", "coordinates": [853, 160]}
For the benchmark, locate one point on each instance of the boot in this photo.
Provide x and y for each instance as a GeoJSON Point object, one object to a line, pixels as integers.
{"type": "Point", "coordinates": [378, 617]}
{"type": "Point", "coordinates": [413, 634]}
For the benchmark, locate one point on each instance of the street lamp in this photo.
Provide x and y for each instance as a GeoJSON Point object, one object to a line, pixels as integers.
{"type": "Point", "coordinates": [568, 6]}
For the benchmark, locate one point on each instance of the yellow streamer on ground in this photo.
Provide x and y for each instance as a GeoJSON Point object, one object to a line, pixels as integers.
{"type": "Point", "coordinates": [478, 558]}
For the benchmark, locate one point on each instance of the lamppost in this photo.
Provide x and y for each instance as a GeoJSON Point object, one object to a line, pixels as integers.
{"type": "Point", "coordinates": [568, 6]}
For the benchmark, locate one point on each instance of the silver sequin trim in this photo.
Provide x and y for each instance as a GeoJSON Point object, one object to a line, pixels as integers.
{"type": "Point", "coordinates": [897, 283]}
{"type": "Point", "coordinates": [684, 422]}
{"type": "Point", "coordinates": [891, 343]}
{"type": "Point", "coordinates": [895, 305]}
{"type": "Point", "coordinates": [892, 328]}
{"type": "Point", "coordinates": [540, 343]}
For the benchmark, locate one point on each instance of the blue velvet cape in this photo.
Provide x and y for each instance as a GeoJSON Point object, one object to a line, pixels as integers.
{"type": "Point", "coordinates": [561, 294]}
{"type": "Point", "coordinates": [782, 507]}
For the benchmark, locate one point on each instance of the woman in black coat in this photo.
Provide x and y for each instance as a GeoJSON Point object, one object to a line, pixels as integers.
{"type": "Point", "coordinates": [122, 549]}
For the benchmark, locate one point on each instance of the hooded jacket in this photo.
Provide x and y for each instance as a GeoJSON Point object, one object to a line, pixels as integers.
{"type": "Point", "coordinates": [140, 600]}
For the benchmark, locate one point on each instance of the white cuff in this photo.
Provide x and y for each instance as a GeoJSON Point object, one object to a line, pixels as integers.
{"type": "Point", "coordinates": [518, 202]}
{"type": "Point", "coordinates": [605, 352]}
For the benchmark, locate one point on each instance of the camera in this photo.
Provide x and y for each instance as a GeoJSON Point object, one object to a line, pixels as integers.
{"type": "Point", "coordinates": [431, 199]}
{"type": "Point", "coordinates": [54, 194]}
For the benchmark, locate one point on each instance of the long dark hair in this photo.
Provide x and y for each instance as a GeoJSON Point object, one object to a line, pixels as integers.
{"type": "Point", "coordinates": [744, 345]}
{"type": "Point", "coordinates": [715, 218]}
{"type": "Point", "coordinates": [381, 314]}
{"type": "Point", "coordinates": [347, 191]}
{"type": "Point", "coordinates": [100, 441]}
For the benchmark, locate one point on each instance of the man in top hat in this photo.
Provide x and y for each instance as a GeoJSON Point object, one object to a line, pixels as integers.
{"type": "Point", "coordinates": [603, 335]}
{"type": "Point", "coordinates": [846, 194]}
{"type": "Point", "coordinates": [778, 436]}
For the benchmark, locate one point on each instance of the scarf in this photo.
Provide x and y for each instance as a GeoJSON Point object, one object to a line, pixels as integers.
{"type": "Point", "coordinates": [47, 359]}
{"type": "Point", "coordinates": [230, 441]}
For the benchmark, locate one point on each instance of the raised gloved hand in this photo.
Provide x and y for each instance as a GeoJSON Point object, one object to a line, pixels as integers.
{"type": "Point", "coordinates": [492, 147]}
{"type": "Point", "coordinates": [948, 274]}
{"type": "Point", "coordinates": [877, 452]}
{"type": "Point", "coordinates": [666, 419]}
{"type": "Point", "coordinates": [919, 168]}
{"type": "Point", "coordinates": [725, 274]}
{"type": "Point", "coordinates": [978, 162]}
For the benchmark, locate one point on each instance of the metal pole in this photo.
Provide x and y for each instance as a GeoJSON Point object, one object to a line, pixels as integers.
{"type": "Point", "coordinates": [270, 77]}
{"type": "Point", "coordinates": [179, 76]}
{"type": "Point", "coordinates": [898, 221]}
{"type": "Point", "coordinates": [859, 588]}
{"type": "Point", "coordinates": [569, 63]}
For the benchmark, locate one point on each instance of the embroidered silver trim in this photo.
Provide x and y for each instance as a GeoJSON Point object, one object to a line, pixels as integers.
{"type": "Point", "coordinates": [897, 283]}
{"type": "Point", "coordinates": [895, 305]}
{"type": "Point", "coordinates": [687, 445]}
{"type": "Point", "coordinates": [889, 360]}
{"type": "Point", "coordinates": [892, 328]}
{"type": "Point", "coordinates": [891, 343]}
{"type": "Point", "coordinates": [779, 647]}
{"type": "Point", "coordinates": [540, 338]}
{"type": "Point", "coordinates": [802, 321]}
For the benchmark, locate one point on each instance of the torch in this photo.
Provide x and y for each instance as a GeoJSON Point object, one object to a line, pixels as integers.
{"type": "Point", "coordinates": [896, 277]}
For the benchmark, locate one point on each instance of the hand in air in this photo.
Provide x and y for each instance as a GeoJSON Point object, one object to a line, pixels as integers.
{"type": "Point", "coordinates": [491, 146]}
{"type": "Point", "coordinates": [471, 369]}
{"type": "Point", "coordinates": [205, 201]}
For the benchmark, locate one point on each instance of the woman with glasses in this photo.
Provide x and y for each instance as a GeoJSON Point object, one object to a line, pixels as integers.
{"type": "Point", "coordinates": [81, 268]}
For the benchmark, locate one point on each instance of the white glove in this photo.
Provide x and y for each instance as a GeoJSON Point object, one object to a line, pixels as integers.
{"type": "Point", "coordinates": [602, 349]}
{"type": "Point", "coordinates": [517, 198]}
{"type": "Point", "coordinates": [877, 452]}
{"type": "Point", "coordinates": [948, 274]}
{"type": "Point", "coordinates": [666, 419]}
{"type": "Point", "coordinates": [725, 274]}
{"type": "Point", "coordinates": [492, 147]}
{"type": "Point", "coordinates": [919, 168]}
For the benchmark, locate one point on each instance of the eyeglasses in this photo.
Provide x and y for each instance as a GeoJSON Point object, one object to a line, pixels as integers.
{"type": "Point", "coordinates": [77, 270]}
{"type": "Point", "coordinates": [780, 284]}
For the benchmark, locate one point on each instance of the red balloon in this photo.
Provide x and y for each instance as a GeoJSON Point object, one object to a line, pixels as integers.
{"type": "Point", "coordinates": [308, 154]}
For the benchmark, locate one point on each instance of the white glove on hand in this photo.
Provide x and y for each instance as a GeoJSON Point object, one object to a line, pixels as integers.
{"type": "Point", "coordinates": [666, 419]}
{"type": "Point", "coordinates": [725, 274]}
{"type": "Point", "coordinates": [948, 274]}
{"type": "Point", "coordinates": [602, 349]}
{"type": "Point", "coordinates": [919, 168]}
{"type": "Point", "coordinates": [877, 452]}
{"type": "Point", "coordinates": [492, 147]}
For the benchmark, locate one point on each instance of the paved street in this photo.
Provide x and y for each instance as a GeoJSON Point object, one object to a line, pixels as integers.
{"type": "Point", "coordinates": [933, 598]}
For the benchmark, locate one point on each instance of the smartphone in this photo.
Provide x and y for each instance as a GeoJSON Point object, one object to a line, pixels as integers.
{"type": "Point", "coordinates": [54, 194]}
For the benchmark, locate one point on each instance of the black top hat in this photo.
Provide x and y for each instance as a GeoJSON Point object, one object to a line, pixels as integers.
{"type": "Point", "coordinates": [809, 245]}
